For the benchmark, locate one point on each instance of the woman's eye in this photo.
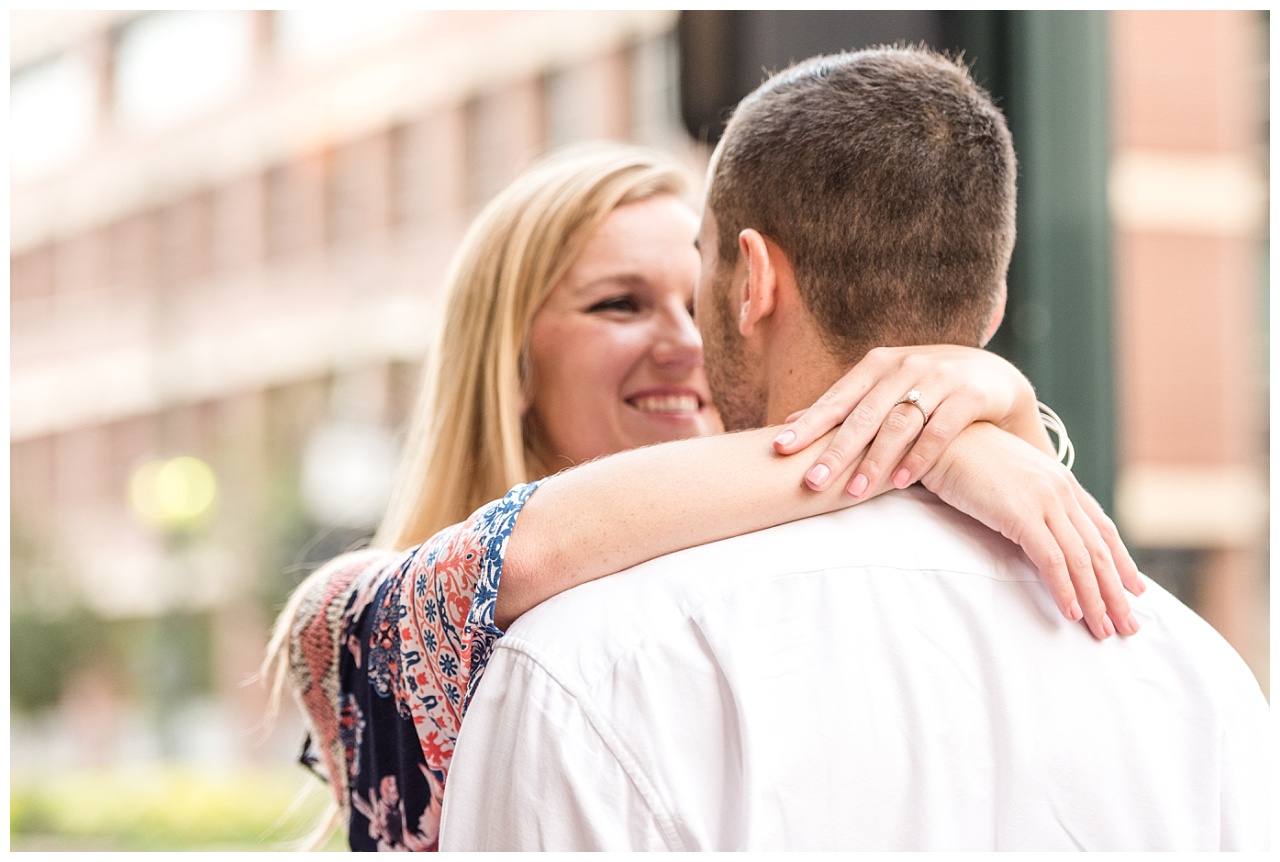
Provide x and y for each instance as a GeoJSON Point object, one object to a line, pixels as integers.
{"type": "Point", "coordinates": [616, 303]}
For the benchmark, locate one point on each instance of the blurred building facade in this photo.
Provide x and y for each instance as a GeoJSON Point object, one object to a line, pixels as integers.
{"type": "Point", "coordinates": [228, 234]}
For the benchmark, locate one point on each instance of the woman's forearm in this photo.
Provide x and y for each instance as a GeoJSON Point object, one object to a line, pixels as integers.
{"type": "Point", "coordinates": [613, 513]}
{"type": "Point", "coordinates": [1024, 420]}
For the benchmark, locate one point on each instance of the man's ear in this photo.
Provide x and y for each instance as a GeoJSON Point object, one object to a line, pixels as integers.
{"type": "Point", "coordinates": [997, 315]}
{"type": "Point", "coordinates": [760, 293]}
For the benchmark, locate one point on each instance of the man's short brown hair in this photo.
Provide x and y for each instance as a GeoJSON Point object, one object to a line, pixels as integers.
{"type": "Point", "coordinates": [888, 177]}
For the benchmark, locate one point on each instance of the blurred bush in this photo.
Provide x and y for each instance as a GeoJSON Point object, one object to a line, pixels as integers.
{"type": "Point", "coordinates": [166, 808]}
{"type": "Point", "coordinates": [45, 651]}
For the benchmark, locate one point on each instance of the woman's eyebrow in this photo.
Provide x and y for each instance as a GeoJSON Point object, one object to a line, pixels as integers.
{"type": "Point", "coordinates": [620, 279]}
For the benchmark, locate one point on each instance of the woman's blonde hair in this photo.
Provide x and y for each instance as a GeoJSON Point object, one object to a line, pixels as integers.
{"type": "Point", "coordinates": [468, 443]}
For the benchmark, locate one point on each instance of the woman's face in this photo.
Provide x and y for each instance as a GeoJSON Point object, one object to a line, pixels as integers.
{"type": "Point", "coordinates": [615, 359]}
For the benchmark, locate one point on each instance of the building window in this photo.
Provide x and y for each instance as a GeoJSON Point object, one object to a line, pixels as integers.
{"type": "Point", "coordinates": [133, 250]}
{"type": "Point", "coordinates": [295, 204]}
{"type": "Point", "coordinates": [590, 100]}
{"type": "Point", "coordinates": [360, 189]}
{"type": "Point", "coordinates": [186, 240]}
{"type": "Point", "coordinates": [52, 113]}
{"type": "Point", "coordinates": [174, 66]}
{"type": "Point", "coordinates": [505, 133]}
{"type": "Point", "coordinates": [238, 217]}
{"type": "Point", "coordinates": [570, 110]}
{"type": "Point", "coordinates": [429, 169]}
{"type": "Point", "coordinates": [655, 90]}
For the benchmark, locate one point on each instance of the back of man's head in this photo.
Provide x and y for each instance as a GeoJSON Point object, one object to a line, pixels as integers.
{"type": "Point", "coordinates": [888, 177]}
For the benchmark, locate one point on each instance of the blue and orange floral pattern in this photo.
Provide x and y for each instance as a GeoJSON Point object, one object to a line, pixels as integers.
{"type": "Point", "coordinates": [387, 650]}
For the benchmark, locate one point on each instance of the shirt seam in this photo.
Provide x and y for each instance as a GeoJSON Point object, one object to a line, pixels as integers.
{"type": "Point", "coordinates": [528, 655]}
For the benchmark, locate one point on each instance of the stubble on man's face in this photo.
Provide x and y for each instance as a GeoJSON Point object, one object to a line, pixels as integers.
{"type": "Point", "coordinates": [736, 390]}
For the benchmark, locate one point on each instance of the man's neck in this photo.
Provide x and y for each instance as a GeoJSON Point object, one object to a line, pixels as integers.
{"type": "Point", "coordinates": [797, 365]}
{"type": "Point", "coordinates": [796, 382]}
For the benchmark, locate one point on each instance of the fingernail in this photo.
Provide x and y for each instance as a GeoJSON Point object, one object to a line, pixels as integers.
{"type": "Point", "coordinates": [785, 438]}
{"type": "Point", "coordinates": [818, 475]}
{"type": "Point", "coordinates": [1076, 613]}
{"type": "Point", "coordinates": [1133, 623]}
{"type": "Point", "coordinates": [1108, 627]}
{"type": "Point", "coordinates": [858, 485]}
{"type": "Point", "coordinates": [901, 478]}
{"type": "Point", "coordinates": [1142, 588]}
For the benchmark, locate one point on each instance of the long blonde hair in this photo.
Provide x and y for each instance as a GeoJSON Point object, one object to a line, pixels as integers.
{"type": "Point", "coordinates": [467, 443]}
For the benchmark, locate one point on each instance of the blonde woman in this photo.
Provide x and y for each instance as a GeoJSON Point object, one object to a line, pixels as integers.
{"type": "Point", "coordinates": [568, 337]}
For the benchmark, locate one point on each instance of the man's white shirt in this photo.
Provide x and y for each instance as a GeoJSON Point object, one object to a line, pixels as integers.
{"type": "Point", "coordinates": [892, 676]}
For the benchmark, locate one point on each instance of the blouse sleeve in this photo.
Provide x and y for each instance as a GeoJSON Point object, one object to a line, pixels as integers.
{"type": "Point", "coordinates": [448, 589]}
{"type": "Point", "coordinates": [386, 650]}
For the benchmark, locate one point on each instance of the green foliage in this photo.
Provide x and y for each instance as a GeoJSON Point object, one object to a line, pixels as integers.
{"type": "Point", "coordinates": [44, 652]}
{"type": "Point", "coordinates": [166, 808]}
{"type": "Point", "coordinates": [161, 659]}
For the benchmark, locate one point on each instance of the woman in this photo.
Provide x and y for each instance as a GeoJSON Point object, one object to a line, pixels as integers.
{"type": "Point", "coordinates": [568, 337]}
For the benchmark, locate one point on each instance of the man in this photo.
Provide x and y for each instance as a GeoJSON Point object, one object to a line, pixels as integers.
{"type": "Point", "coordinates": [892, 676]}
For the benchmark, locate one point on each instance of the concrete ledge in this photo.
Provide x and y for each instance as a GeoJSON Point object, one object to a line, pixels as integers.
{"type": "Point", "coordinates": [1204, 506]}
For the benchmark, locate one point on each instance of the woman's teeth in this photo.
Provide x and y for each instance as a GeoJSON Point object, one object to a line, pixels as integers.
{"type": "Point", "coordinates": [666, 404]}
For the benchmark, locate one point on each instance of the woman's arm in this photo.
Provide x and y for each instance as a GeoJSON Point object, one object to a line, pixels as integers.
{"type": "Point", "coordinates": [613, 513]}
{"type": "Point", "coordinates": [619, 511]}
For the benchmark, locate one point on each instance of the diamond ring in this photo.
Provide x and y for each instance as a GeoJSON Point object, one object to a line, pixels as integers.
{"type": "Point", "coordinates": [913, 398]}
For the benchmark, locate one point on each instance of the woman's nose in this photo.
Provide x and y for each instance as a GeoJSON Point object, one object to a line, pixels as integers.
{"type": "Point", "coordinates": [679, 344]}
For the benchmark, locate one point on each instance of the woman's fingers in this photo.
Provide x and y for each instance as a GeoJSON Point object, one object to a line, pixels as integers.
{"type": "Point", "coordinates": [899, 445]}
{"type": "Point", "coordinates": [863, 396]}
{"type": "Point", "coordinates": [1074, 559]}
{"type": "Point", "coordinates": [1092, 566]}
{"type": "Point", "coordinates": [850, 440]}
{"type": "Point", "coordinates": [872, 416]}
{"type": "Point", "coordinates": [1045, 552]}
{"type": "Point", "coordinates": [884, 439]}
{"type": "Point", "coordinates": [1067, 567]}
{"type": "Point", "coordinates": [905, 430]}
{"type": "Point", "coordinates": [835, 406]}
{"type": "Point", "coordinates": [897, 432]}
{"type": "Point", "coordinates": [946, 421]}
{"type": "Point", "coordinates": [875, 436]}
{"type": "Point", "coordinates": [1125, 566]}
{"type": "Point", "coordinates": [1105, 605]}
{"type": "Point", "coordinates": [1079, 562]}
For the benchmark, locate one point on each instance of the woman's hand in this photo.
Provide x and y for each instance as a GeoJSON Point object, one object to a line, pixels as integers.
{"type": "Point", "coordinates": [957, 385]}
{"type": "Point", "coordinates": [1034, 501]}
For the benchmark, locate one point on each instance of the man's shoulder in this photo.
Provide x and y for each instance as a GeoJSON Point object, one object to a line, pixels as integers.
{"type": "Point", "coordinates": [902, 530]}
{"type": "Point", "coordinates": [900, 542]}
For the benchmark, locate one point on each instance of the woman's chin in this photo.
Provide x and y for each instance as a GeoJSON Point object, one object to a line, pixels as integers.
{"type": "Point", "coordinates": [667, 429]}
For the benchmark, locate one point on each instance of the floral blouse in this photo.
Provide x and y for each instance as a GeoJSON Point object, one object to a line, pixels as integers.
{"type": "Point", "coordinates": [387, 648]}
